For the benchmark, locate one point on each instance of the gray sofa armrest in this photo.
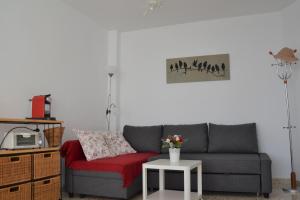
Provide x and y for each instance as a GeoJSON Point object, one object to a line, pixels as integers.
{"type": "Point", "coordinates": [266, 173]}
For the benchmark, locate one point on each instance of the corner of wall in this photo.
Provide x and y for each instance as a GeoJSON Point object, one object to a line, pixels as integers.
{"type": "Point", "coordinates": [291, 33]}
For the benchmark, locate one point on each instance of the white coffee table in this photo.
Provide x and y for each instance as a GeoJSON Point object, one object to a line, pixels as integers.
{"type": "Point", "coordinates": [183, 165]}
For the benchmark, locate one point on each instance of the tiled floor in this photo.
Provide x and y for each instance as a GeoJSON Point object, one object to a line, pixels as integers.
{"type": "Point", "coordinates": [277, 194]}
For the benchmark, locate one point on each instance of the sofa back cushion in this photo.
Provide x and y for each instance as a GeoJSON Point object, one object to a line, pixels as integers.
{"type": "Point", "coordinates": [117, 144]}
{"type": "Point", "coordinates": [232, 138]}
{"type": "Point", "coordinates": [144, 138]}
{"type": "Point", "coordinates": [196, 136]}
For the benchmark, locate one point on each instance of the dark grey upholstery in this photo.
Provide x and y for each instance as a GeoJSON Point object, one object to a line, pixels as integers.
{"type": "Point", "coordinates": [211, 182]}
{"type": "Point", "coordinates": [222, 163]}
{"type": "Point", "coordinates": [104, 184]}
{"type": "Point", "coordinates": [266, 173]}
{"type": "Point", "coordinates": [232, 138]}
{"type": "Point", "coordinates": [144, 138]}
{"type": "Point", "coordinates": [195, 134]}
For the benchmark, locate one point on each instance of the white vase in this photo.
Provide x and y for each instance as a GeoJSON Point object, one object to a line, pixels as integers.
{"type": "Point", "coordinates": [174, 155]}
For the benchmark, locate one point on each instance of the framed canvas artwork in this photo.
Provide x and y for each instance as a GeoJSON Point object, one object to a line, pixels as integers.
{"type": "Point", "coordinates": [198, 68]}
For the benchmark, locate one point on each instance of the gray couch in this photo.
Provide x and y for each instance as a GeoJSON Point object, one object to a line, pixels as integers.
{"type": "Point", "coordinates": [231, 161]}
{"type": "Point", "coordinates": [230, 156]}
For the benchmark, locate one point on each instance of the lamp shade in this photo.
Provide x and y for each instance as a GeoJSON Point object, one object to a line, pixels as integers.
{"type": "Point", "coordinates": [111, 69]}
{"type": "Point", "coordinates": [286, 55]}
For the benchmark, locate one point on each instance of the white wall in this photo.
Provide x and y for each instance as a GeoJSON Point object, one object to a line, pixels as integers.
{"type": "Point", "coordinates": [254, 93]}
{"type": "Point", "coordinates": [48, 47]}
{"type": "Point", "coordinates": [291, 36]}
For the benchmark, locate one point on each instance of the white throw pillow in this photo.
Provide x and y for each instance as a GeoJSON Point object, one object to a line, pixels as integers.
{"type": "Point", "coordinates": [93, 144]}
{"type": "Point", "coordinates": [117, 144]}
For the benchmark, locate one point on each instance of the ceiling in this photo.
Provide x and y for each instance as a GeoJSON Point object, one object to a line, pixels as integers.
{"type": "Point", "coordinates": [128, 15]}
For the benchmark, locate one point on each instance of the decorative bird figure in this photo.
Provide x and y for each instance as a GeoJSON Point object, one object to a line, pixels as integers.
{"type": "Point", "coordinates": [180, 64]}
{"type": "Point", "coordinates": [171, 67]}
{"type": "Point", "coordinates": [185, 67]}
{"type": "Point", "coordinates": [176, 67]}
{"type": "Point", "coordinates": [208, 68]}
{"type": "Point", "coordinates": [195, 63]}
{"type": "Point", "coordinates": [200, 66]}
{"type": "Point", "coordinates": [217, 68]}
{"type": "Point", "coordinates": [223, 67]}
{"type": "Point", "coordinates": [213, 69]}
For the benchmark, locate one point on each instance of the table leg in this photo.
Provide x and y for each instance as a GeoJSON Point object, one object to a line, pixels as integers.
{"type": "Point", "coordinates": [187, 184]}
{"type": "Point", "coordinates": [199, 180]}
{"type": "Point", "coordinates": [161, 179]}
{"type": "Point", "coordinates": [145, 188]}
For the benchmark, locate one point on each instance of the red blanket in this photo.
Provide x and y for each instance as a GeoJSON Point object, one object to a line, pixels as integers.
{"type": "Point", "coordinates": [128, 165]}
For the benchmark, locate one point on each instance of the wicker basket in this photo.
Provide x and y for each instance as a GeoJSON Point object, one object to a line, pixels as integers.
{"type": "Point", "coordinates": [46, 164]}
{"type": "Point", "coordinates": [54, 136]}
{"type": "Point", "coordinates": [15, 169]}
{"type": "Point", "coordinates": [47, 189]}
{"type": "Point", "coordinates": [19, 192]}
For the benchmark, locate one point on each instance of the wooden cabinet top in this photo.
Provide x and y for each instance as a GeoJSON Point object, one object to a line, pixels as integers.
{"type": "Point", "coordinates": [28, 121]}
{"type": "Point", "coordinates": [27, 151]}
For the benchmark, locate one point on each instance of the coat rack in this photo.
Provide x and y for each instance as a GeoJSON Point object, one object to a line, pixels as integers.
{"type": "Point", "coordinates": [285, 61]}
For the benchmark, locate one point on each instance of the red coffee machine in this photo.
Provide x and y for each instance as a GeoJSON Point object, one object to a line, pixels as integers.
{"type": "Point", "coordinates": [41, 107]}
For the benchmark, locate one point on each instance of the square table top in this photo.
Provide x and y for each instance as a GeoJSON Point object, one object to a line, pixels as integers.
{"type": "Point", "coordinates": [167, 165]}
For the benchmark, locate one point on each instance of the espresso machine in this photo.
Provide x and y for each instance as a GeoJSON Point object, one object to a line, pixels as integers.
{"type": "Point", "coordinates": [41, 107]}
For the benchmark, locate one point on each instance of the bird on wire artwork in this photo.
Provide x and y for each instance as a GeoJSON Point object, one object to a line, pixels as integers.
{"type": "Point", "coordinates": [183, 67]}
{"type": "Point", "coordinates": [199, 68]}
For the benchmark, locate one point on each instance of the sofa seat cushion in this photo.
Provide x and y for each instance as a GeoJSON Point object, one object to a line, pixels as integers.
{"type": "Point", "coordinates": [196, 136]}
{"type": "Point", "coordinates": [222, 163]}
{"type": "Point", "coordinates": [129, 166]}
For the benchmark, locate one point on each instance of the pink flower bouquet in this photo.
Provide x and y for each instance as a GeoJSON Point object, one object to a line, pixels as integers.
{"type": "Point", "coordinates": [172, 141]}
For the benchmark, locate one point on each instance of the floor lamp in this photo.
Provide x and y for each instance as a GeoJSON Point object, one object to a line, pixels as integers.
{"type": "Point", "coordinates": [285, 61]}
{"type": "Point", "coordinates": [110, 105]}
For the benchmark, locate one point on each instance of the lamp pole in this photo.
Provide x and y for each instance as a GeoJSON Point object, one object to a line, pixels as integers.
{"type": "Point", "coordinates": [290, 127]}
{"type": "Point", "coordinates": [110, 105]}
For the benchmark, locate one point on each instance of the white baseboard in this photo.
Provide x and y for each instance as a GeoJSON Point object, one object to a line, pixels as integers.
{"type": "Point", "coordinates": [280, 182]}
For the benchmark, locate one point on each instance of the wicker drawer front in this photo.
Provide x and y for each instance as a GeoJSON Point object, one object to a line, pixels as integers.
{"type": "Point", "coordinates": [15, 169]}
{"type": "Point", "coordinates": [48, 189]}
{"type": "Point", "coordinates": [19, 192]}
{"type": "Point", "coordinates": [46, 164]}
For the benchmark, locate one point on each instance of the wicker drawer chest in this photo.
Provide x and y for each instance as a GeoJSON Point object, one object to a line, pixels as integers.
{"type": "Point", "coordinates": [33, 174]}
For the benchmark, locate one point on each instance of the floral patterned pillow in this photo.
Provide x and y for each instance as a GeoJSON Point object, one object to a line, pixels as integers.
{"type": "Point", "coordinates": [117, 143]}
{"type": "Point", "coordinates": [94, 145]}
